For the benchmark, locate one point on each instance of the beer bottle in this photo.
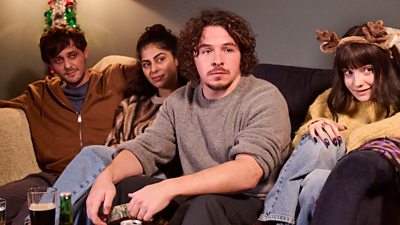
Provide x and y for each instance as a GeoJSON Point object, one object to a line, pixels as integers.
{"type": "Point", "coordinates": [66, 215]}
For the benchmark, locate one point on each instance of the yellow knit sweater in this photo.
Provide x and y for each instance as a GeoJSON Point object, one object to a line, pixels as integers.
{"type": "Point", "coordinates": [365, 121]}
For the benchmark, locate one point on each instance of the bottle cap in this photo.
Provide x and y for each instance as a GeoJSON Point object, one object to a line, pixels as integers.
{"type": "Point", "coordinates": [65, 194]}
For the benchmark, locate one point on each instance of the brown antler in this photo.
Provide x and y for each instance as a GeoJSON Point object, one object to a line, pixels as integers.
{"type": "Point", "coordinates": [323, 35]}
{"type": "Point", "coordinates": [375, 32]}
{"type": "Point", "coordinates": [330, 40]}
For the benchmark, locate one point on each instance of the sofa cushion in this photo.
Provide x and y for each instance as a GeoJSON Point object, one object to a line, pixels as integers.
{"type": "Point", "coordinates": [17, 156]}
{"type": "Point", "coordinates": [300, 86]}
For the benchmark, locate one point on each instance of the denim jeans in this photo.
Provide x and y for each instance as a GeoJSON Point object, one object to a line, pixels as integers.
{"type": "Point", "coordinates": [300, 181]}
{"type": "Point", "coordinates": [80, 174]}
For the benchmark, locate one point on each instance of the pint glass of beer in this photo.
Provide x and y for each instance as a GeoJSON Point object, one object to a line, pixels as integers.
{"type": "Point", "coordinates": [42, 205]}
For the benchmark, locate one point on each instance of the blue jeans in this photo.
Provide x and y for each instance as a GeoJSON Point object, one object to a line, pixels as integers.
{"type": "Point", "coordinates": [300, 181]}
{"type": "Point", "coordinates": [80, 174]}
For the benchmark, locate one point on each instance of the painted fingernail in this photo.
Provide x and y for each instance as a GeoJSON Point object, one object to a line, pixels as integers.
{"type": "Point", "coordinates": [335, 141]}
{"type": "Point", "coordinates": [326, 142]}
{"type": "Point", "coordinates": [340, 140]}
{"type": "Point", "coordinates": [315, 139]}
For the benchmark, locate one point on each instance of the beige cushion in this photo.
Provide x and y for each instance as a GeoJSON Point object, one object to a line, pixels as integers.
{"type": "Point", "coordinates": [112, 59]}
{"type": "Point", "coordinates": [17, 157]}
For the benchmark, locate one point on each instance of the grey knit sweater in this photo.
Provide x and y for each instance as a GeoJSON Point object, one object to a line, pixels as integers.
{"type": "Point", "coordinates": [253, 120]}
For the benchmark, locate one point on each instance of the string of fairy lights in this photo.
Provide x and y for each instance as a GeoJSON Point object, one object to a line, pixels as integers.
{"type": "Point", "coordinates": [61, 12]}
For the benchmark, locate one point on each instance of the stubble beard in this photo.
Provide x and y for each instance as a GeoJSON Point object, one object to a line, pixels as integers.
{"type": "Point", "coordinates": [74, 82]}
{"type": "Point", "coordinates": [220, 85]}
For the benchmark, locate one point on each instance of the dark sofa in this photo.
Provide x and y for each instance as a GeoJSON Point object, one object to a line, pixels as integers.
{"type": "Point", "coordinates": [300, 86]}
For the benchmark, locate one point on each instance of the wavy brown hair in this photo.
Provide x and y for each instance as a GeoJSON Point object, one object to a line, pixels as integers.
{"type": "Point", "coordinates": [386, 87]}
{"type": "Point", "coordinates": [237, 27]}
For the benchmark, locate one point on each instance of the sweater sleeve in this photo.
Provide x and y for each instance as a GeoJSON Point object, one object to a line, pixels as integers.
{"type": "Point", "coordinates": [118, 76]}
{"type": "Point", "coordinates": [265, 132]}
{"type": "Point", "coordinates": [32, 94]}
{"type": "Point", "coordinates": [318, 110]}
{"type": "Point", "coordinates": [157, 145]}
{"type": "Point", "coordinates": [384, 128]}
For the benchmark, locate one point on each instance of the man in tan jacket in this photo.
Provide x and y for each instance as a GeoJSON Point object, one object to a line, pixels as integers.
{"type": "Point", "coordinates": [67, 111]}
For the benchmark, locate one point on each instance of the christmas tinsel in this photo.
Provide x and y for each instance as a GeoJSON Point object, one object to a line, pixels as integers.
{"type": "Point", "coordinates": [61, 12]}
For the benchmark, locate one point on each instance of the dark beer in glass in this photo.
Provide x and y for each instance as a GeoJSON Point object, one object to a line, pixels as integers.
{"type": "Point", "coordinates": [42, 213]}
{"type": "Point", "coordinates": [42, 205]}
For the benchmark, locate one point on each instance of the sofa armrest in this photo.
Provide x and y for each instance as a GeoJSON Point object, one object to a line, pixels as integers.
{"type": "Point", "coordinates": [16, 149]}
{"type": "Point", "coordinates": [112, 59]}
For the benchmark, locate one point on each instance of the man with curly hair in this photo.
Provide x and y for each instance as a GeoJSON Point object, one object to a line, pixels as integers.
{"type": "Point", "coordinates": [230, 130]}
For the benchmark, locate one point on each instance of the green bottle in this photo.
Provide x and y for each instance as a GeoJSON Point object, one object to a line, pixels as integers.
{"type": "Point", "coordinates": [66, 215]}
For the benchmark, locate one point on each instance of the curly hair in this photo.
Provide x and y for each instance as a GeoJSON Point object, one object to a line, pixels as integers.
{"type": "Point", "coordinates": [237, 27]}
{"type": "Point", "coordinates": [57, 38]}
{"type": "Point", "coordinates": [386, 85]}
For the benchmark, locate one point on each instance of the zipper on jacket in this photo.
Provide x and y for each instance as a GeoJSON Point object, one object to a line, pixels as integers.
{"type": "Point", "coordinates": [80, 129]}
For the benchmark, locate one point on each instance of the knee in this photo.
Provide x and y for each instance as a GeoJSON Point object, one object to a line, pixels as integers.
{"type": "Point", "coordinates": [93, 149]}
{"type": "Point", "coordinates": [99, 152]}
{"type": "Point", "coordinates": [88, 150]}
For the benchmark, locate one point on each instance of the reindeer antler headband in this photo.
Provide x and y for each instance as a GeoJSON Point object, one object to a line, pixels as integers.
{"type": "Point", "coordinates": [374, 33]}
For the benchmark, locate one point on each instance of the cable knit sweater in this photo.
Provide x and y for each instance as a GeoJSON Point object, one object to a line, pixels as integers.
{"type": "Point", "coordinates": [365, 121]}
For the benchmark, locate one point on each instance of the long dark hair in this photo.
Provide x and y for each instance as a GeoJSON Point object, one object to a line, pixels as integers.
{"type": "Point", "coordinates": [386, 87]}
{"type": "Point", "coordinates": [164, 39]}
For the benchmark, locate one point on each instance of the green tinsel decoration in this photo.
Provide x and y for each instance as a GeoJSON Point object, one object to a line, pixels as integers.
{"type": "Point", "coordinates": [61, 12]}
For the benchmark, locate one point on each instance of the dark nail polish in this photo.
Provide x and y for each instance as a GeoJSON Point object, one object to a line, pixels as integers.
{"type": "Point", "coordinates": [340, 140]}
{"type": "Point", "coordinates": [335, 141]}
{"type": "Point", "coordinates": [326, 142]}
{"type": "Point", "coordinates": [315, 140]}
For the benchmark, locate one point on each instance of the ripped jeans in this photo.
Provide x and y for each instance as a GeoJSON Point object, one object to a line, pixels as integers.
{"type": "Point", "coordinates": [293, 197]}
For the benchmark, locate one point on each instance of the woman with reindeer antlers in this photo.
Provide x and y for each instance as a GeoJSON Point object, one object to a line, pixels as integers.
{"type": "Point", "coordinates": [362, 105]}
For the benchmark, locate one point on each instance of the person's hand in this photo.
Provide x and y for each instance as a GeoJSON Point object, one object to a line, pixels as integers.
{"type": "Point", "coordinates": [326, 129]}
{"type": "Point", "coordinates": [148, 201]}
{"type": "Point", "coordinates": [103, 191]}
